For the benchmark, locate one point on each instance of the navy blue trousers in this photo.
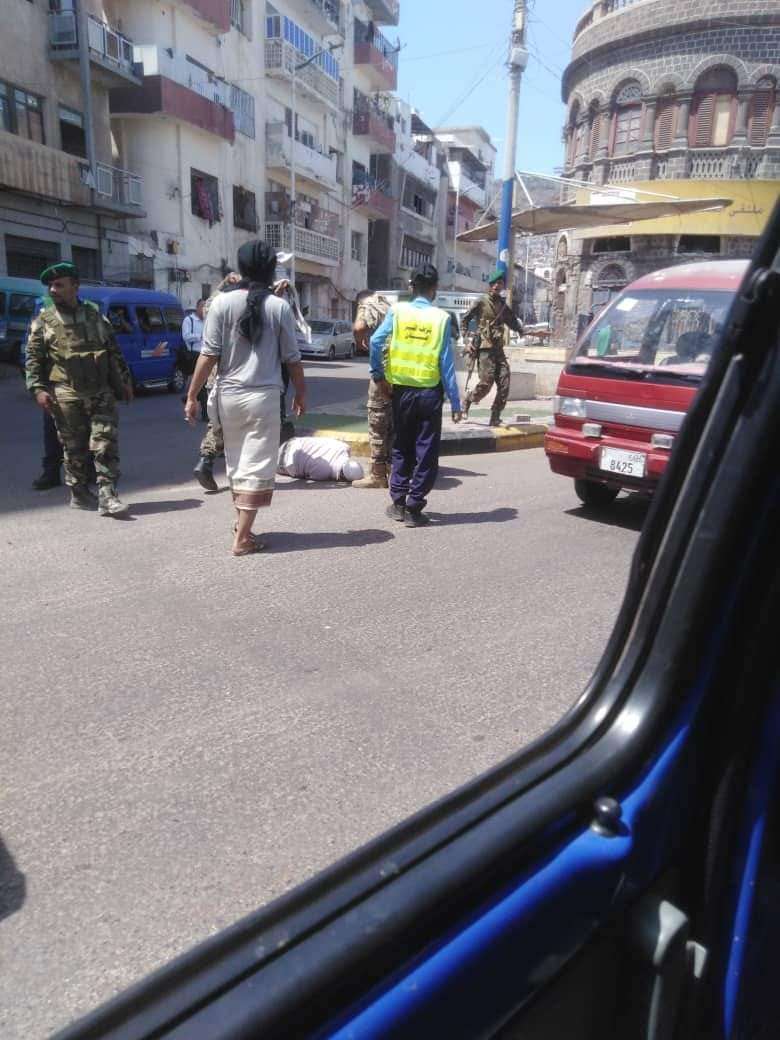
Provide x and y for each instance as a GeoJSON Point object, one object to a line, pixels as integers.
{"type": "Point", "coordinates": [415, 459]}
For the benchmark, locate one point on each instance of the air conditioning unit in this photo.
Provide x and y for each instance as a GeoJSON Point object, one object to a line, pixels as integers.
{"type": "Point", "coordinates": [63, 31]}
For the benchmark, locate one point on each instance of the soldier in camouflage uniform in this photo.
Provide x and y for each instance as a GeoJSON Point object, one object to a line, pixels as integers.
{"type": "Point", "coordinates": [75, 372]}
{"type": "Point", "coordinates": [493, 314]}
{"type": "Point", "coordinates": [371, 312]}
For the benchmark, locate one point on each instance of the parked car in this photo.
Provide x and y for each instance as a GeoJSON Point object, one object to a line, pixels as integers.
{"type": "Point", "coordinates": [18, 297]}
{"type": "Point", "coordinates": [329, 338]}
{"type": "Point", "coordinates": [623, 394]}
{"type": "Point", "coordinates": [147, 325]}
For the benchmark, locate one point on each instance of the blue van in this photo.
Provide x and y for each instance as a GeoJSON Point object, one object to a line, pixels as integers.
{"type": "Point", "coordinates": [18, 300]}
{"type": "Point", "coordinates": [147, 326]}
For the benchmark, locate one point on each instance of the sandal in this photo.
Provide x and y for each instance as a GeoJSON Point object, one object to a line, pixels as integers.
{"type": "Point", "coordinates": [250, 550]}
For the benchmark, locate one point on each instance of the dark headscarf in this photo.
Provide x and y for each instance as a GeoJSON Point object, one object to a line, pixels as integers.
{"type": "Point", "coordinates": [256, 265]}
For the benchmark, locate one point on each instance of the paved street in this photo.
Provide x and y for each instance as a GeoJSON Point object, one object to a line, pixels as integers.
{"type": "Point", "coordinates": [186, 735]}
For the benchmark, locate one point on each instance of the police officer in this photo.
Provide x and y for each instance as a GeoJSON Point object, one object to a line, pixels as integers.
{"type": "Point", "coordinates": [371, 312]}
{"type": "Point", "coordinates": [493, 313]}
{"type": "Point", "coordinates": [419, 369]}
{"type": "Point", "coordinates": [75, 372]}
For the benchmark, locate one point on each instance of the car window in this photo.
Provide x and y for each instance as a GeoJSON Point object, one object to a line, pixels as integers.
{"type": "Point", "coordinates": [174, 317]}
{"type": "Point", "coordinates": [671, 328]}
{"type": "Point", "coordinates": [150, 319]}
{"type": "Point", "coordinates": [22, 306]}
{"type": "Point", "coordinates": [119, 316]}
{"type": "Point", "coordinates": [323, 328]}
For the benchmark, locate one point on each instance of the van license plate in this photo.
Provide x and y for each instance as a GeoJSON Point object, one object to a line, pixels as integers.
{"type": "Point", "coordinates": [623, 463]}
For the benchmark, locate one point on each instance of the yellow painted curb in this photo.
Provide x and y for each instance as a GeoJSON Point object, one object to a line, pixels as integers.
{"type": "Point", "coordinates": [530, 436]}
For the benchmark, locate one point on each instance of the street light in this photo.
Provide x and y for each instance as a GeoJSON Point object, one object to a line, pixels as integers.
{"type": "Point", "coordinates": [293, 188]}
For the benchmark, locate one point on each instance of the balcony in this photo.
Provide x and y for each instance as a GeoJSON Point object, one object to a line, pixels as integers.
{"type": "Point", "coordinates": [385, 12]}
{"type": "Point", "coordinates": [325, 16]}
{"type": "Point", "coordinates": [280, 60]}
{"type": "Point", "coordinates": [371, 199]}
{"type": "Point", "coordinates": [174, 87]}
{"type": "Point", "coordinates": [309, 245]}
{"type": "Point", "coordinates": [599, 10]}
{"type": "Point", "coordinates": [370, 122]}
{"type": "Point", "coordinates": [376, 58]}
{"type": "Point", "coordinates": [418, 166]}
{"type": "Point", "coordinates": [110, 53]}
{"type": "Point", "coordinates": [311, 165]}
{"type": "Point", "coordinates": [37, 169]}
{"type": "Point", "coordinates": [215, 14]}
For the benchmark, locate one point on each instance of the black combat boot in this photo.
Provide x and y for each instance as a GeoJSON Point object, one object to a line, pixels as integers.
{"type": "Point", "coordinates": [49, 478]}
{"type": "Point", "coordinates": [204, 473]}
{"type": "Point", "coordinates": [82, 498]}
{"type": "Point", "coordinates": [416, 518]}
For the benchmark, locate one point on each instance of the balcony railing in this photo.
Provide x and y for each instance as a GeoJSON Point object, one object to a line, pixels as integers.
{"type": "Point", "coordinates": [308, 244]}
{"type": "Point", "coordinates": [373, 198]}
{"type": "Point", "coordinates": [418, 166]}
{"type": "Point", "coordinates": [110, 47]}
{"type": "Point", "coordinates": [599, 10]}
{"type": "Point", "coordinates": [157, 61]}
{"type": "Point", "coordinates": [280, 60]}
{"type": "Point", "coordinates": [376, 56]}
{"type": "Point", "coordinates": [328, 15]}
{"type": "Point", "coordinates": [368, 122]}
{"type": "Point", "coordinates": [713, 165]}
{"type": "Point", "coordinates": [385, 11]}
{"type": "Point", "coordinates": [308, 162]}
{"type": "Point", "coordinates": [121, 186]}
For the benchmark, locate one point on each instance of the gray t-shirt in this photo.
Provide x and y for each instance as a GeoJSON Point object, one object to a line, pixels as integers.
{"type": "Point", "coordinates": [244, 365]}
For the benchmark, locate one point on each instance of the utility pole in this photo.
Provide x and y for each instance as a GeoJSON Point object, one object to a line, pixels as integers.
{"type": "Point", "coordinates": [518, 59]}
{"type": "Point", "coordinates": [85, 72]}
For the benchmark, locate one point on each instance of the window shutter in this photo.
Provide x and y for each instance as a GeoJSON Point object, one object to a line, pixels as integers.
{"type": "Point", "coordinates": [595, 134]}
{"type": "Point", "coordinates": [702, 121]}
{"type": "Point", "coordinates": [665, 120]}
{"type": "Point", "coordinates": [761, 106]}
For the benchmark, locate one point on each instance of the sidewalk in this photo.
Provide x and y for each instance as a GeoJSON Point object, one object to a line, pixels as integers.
{"type": "Point", "coordinates": [466, 438]}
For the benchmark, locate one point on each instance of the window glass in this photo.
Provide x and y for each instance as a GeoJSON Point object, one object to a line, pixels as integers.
{"type": "Point", "coordinates": [119, 316]}
{"type": "Point", "coordinates": [21, 305]}
{"type": "Point", "coordinates": [2, 304]}
{"type": "Point", "coordinates": [174, 316]}
{"type": "Point", "coordinates": [671, 329]}
{"type": "Point", "coordinates": [150, 319]}
{"type": "Point", "coordinates": [321, 327]}
{"type": "Point", "coordinates": [5, 108]}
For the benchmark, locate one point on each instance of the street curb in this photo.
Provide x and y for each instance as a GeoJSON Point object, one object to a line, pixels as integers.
{"type": "Point", "coordinates": [461, 442]}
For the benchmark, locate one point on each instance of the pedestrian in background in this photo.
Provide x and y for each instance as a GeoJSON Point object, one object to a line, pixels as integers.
{"type": "Point", "coordinates": [192, 334]}
{"type": "Point", "coordinates": [249, 333]}
{"type": "Point", "coordinates": [493, 314]}
{"type": "Point", "coordinates": [371, 312]}
{"type": "Point", "coordinates": [419, 369]}
{"type": "Point", "coordinates": [75, 372]}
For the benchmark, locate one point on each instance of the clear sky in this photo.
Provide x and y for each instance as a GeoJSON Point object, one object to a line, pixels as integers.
{"type": "Point", "coordinates": [453, 69]}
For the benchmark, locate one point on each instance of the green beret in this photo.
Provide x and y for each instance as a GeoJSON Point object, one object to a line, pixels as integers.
{"type": "Point", "coordinates": [497, 276]}
{"type": "Point", "coordinates": [62, 269]}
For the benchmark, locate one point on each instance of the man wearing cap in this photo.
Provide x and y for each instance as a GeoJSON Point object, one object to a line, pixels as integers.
{"type": "Point", "coordinates": [493, 314]}
{"type": "Point", "coordinates": [418, 370]}
{"type": "Point", "coordinates": [371, 312]}
{"type": "Point", "coordinates": [75, 372]}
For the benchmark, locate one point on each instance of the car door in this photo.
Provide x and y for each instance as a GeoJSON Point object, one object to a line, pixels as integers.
{"type": "Point", "coordinates": [156, 354]}
{"type": "Point", "coordinates": [128, 336]}
{"type": "Point", "coordinates": [618, 878]}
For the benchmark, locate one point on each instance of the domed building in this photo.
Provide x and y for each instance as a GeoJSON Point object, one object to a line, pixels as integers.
{"type": "Point", "coordinates": [667, 100]}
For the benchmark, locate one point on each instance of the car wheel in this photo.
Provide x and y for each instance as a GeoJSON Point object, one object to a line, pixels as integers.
{"type": "Point", "coordinates": [592, 494]}
{"type": "Point", "coordinates": [332, 353]}
{"type": "Point", "coordinates": [178, 382]}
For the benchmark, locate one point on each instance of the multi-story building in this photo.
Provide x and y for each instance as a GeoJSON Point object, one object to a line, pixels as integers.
{"type": "Point", "coordinates": [471, 158]}
{"type": "Point", "coordinates": [412, 183]}
{"type": "Point", "coordinates": [190, 128]}
{"type": "Point", "coordinates": [66, 186]}
{"type": "Point", "coordinates": [675, 99]}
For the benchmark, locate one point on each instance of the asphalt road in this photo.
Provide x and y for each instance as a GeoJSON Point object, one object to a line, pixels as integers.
{"type": "Point", "coordinates": [186, 735]}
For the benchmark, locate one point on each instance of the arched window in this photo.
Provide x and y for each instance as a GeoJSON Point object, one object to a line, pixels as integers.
{"type": "Point", "coordinates": [571, 134]}
{"type": "Point", "coordinates": [762, 106]}
{"type": "Point", "coordinates": [595, 130]}
{"type": "Point", "coordinates": [627, 120]}
{"type": "Point", "coordinates": [665, 121]}
{"type": "Point", "coordinates": [714, 109]}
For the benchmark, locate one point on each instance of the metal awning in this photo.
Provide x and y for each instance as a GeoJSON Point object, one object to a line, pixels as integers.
{"type": "Point", "coordinates": [548, 220]}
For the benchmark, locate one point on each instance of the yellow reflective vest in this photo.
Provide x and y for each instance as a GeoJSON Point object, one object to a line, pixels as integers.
{"type": "Point", "coordinates": [416, 345]}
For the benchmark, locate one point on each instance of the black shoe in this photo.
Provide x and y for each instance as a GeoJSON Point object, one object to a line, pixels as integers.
{"type": "Point", "coordinates": [204, 472]}
{"type": "Point", "coordinates": [495, 420]}
{"type": "Point", "coordinates": [396, 512]}
{"type": "Point", "coordinates": [416, 518]}
{"type": "Point", "coordinates": [48, 479]}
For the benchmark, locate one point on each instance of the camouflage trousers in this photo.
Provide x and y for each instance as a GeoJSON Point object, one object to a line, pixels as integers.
{"type": "Point", "coordinates": [84, 425]}
{"type": "Point", "coordinates": [212, 445]}
{"type": "Point", "coordinates": [380, 426]}
{"type": "Point", "coordinates": [493, 367]}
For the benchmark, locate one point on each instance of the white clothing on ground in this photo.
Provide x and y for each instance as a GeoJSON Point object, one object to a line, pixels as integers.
{"type": "Point", "coordinates": [313, 458]}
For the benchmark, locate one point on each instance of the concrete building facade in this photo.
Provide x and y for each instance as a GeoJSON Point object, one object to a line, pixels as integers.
{"type": "Point", "coordinates": [66, 189]}
{"type": "Point", "coordinates": [678, 100]}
